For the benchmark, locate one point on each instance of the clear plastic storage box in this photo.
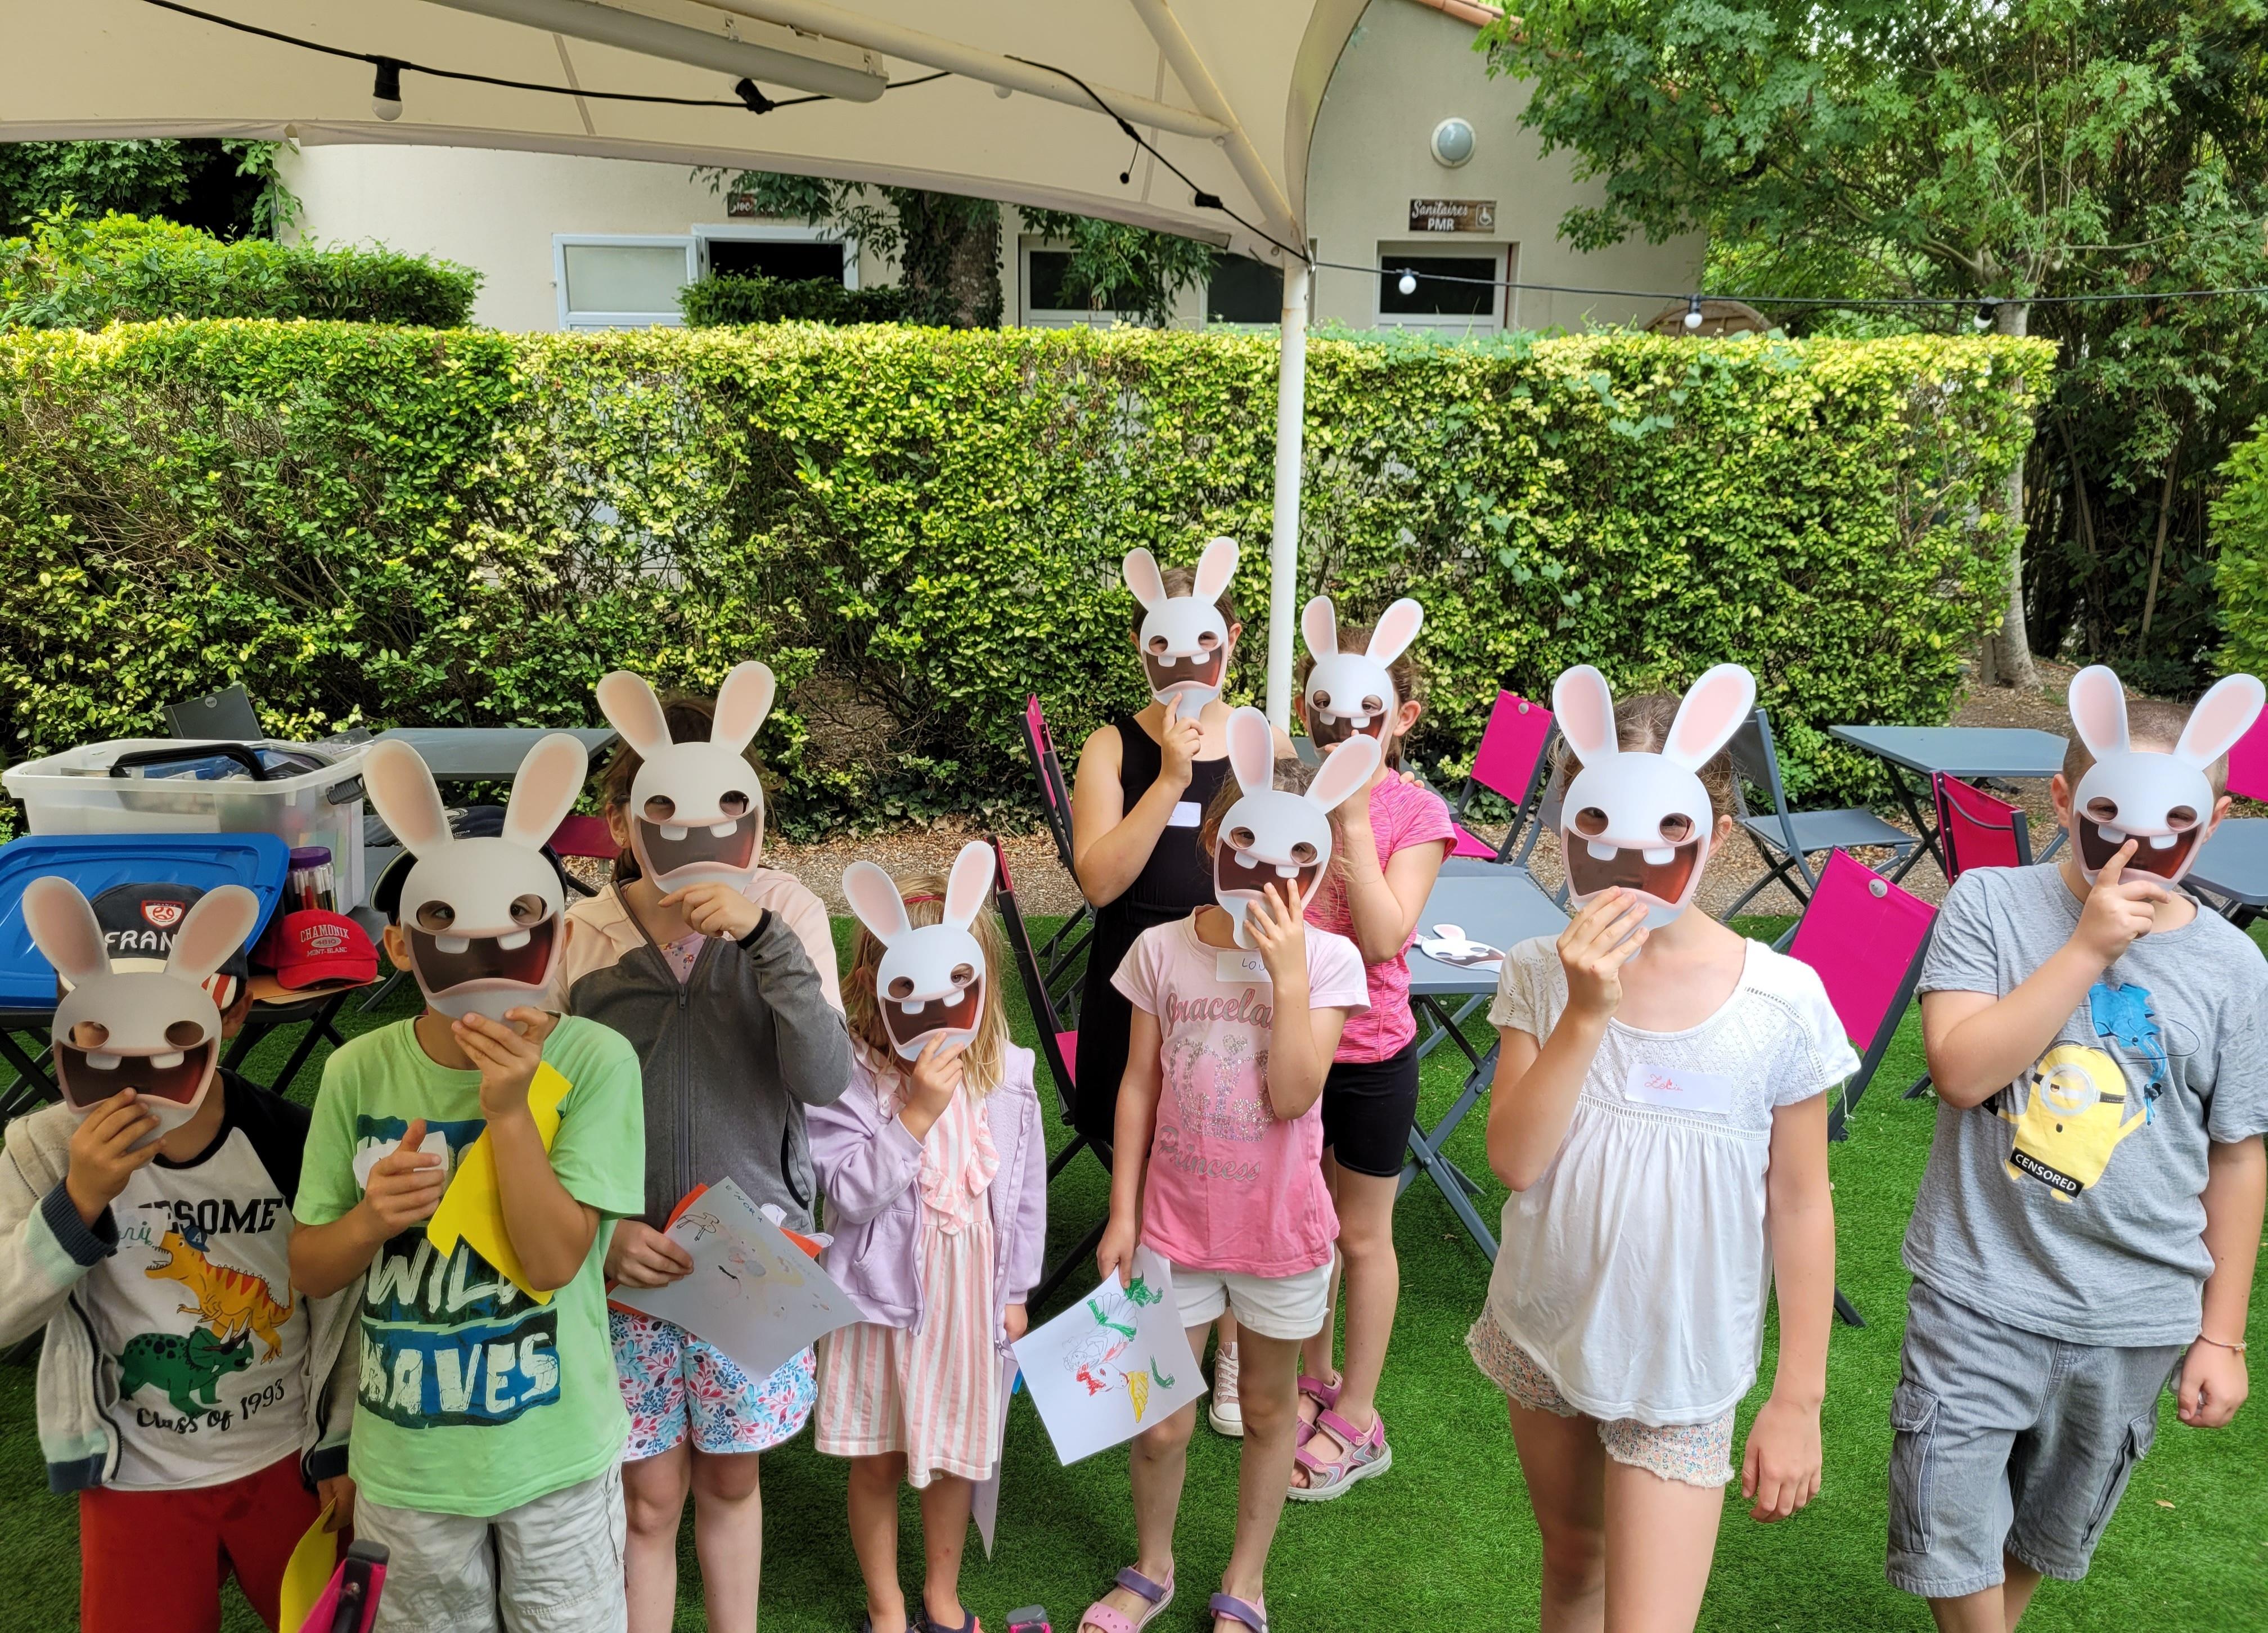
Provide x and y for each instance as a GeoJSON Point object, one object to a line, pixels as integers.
{"type": "Point", "coordinates": [188, 786]}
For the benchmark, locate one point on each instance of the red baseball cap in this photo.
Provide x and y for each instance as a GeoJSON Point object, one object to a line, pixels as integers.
{"type": "Point", "coordinates": [314, 947]}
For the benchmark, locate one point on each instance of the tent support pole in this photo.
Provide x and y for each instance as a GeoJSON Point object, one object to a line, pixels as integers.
{"type": "Point", "coordinates": [1284, 544]}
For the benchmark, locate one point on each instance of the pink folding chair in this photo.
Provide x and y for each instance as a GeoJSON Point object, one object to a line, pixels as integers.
{"type": "Point", "coordinates": [1975, 829]}
{"type": "Point", "coordinates": [1510, 764]}
{"type": "Point", "coordinates": [2248, 762]}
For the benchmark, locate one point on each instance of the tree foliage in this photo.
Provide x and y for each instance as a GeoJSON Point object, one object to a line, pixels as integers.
{"type": "Point", "coordinates": [1960, 149]}
{"type": "Point", "coordinates": [1129, 270]}
{"type": "Point", "coordinates": [228, 188]}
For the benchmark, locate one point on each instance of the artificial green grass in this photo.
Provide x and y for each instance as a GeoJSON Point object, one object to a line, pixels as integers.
{"type": "Point", "coordinates": [1445, 1540]}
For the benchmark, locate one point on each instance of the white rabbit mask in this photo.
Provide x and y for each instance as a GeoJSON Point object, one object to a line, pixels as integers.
{"type": "Point", "coordinates": [1185, 639]}
{"type": "Point", "coordinates": [1639, 820]}
{"type": "Point", "coordinates": [2161, 801]}
{"type": "Point", "coordinates": [1271, 835]}
{"type": "Point", "coordinates": [483, 916]}
{"type": "Point", "coordinates": [1351, 692]}
{"type": "Point", "coordinates": [697, 810]}
{"type": "Point", "coordinates": [930, 982]}
{"type": "Point", "coordinates": [156, 1031]}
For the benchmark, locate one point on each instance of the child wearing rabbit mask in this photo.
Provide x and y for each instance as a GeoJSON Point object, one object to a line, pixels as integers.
{"type": "Point", "coordinates": [935, 1167]}
{"type": "Point", "coordinates": [488, 1427]}
{"type": "Point", "coordinates": [1238, 1009]}
{"type": "Point", "coordinates": [721, 974]}
{"type": "Point", "coordinates": [1659, 1111]}
{"type": "Point", "coordinates": [1392, 838]}
{"type": "Point", "coordinates": [2086, 1229]}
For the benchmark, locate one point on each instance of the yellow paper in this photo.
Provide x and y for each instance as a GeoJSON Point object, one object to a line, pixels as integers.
{"type": "Point", "coordinates": [308, 1573]}
{"type": "Point", "coordinates": [472, 1208]}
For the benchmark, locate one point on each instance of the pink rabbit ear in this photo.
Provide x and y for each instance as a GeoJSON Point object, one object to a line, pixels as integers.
{"type": "Point", "coordinates": [1319, 626]}
{"type": "Point", "coordinates": [545, 790]}
{"type": "Point", "coordinates": [1143, 579]}
{"type": "Point", "coordinates": [1216, 569]}
{"type": "Point", "coordinates": [968, 883]}
{"type": "Point", "coordinates": [2221, 718]}
{"type": "Point", "coordinates": [630, 707]}
{"type": "Point", "coordinates": [1583, 707]}
{"type": "Point", "coordinates": [1344, 770]}
{"type": "Point", "coordinates": [1714, 708]}
{"type": "Point", "coordinates": [1397, 626]}
{"type": "Point", "coordinates": [64, 929]}
{"type": "Point", "coordinates": [1251, 751]}
{"type": "Point", "coordinates": [402, 792]}
{"type": "Point", "coordinates": [742, 703]}
{"type": "Point", "coordinates": [222, 921]}
{"type": "Point", "coordinates": [873, 896]}
{"type": "Point", "coordinates": [2098, 710]}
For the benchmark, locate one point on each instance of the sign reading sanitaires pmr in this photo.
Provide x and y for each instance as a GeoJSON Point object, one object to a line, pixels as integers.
{"type": "Point", "coordinates": [1452, 215]}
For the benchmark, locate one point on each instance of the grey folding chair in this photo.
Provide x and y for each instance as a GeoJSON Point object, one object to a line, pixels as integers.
{"type": "Point", "coordinates": [1787, 840]}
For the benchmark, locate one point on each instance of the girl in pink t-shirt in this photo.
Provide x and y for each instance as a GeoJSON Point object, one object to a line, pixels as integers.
{"type": "Point", "coordinates": [1392, 840]}
{"type": "Point", "coordinates": [1219, 1141]}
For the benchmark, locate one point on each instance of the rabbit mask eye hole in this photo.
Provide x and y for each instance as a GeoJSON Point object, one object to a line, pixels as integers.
{"type": "Point", "coordinates": [735, 805]}
{"type": "Point", "coordinates": [964, 974]}
{"type": "Point", "coordinates": [185, 1034]}
{"type": "Point", "coordinates": [1374, 705]}
{"type": "Point", "coordinates": [528, 909]}
{"type": "Point", "coordinates": [2181, 817]}
{"type": "Point", "coordinates": [1322, 699]}
{"type": "Point", "coordinates": [435, 917]}
{"type": "Point", "coordinates": [901, 987]}
{"type": "Point", "coordinates": [1590, 822]}
{"type": "Point", "coordinates": [1677, 828]}
{"type": "Point", "coordinates": [660, 808]}
{"type": "Point", "coordinates": [1303, 853]}
{"type": "Point", "coordinates": [90, 1035]}
{"type": "Point", "coordinates": [1158, 644]}
{"type": "Point", "coordinates": [2102, 810]}
{"type": "Point", "coordinates": [1207, 640]}
{"type": "Point", "coordinates": [1242, 838]}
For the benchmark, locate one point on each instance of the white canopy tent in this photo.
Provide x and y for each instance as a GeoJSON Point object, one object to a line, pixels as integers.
{"type": "Point", "coordinates": [1018, 100]}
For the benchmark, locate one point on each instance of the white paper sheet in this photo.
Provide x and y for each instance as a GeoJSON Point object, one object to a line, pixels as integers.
{"type": "Point", "coordinates": [986, 1501]}
{"type": "Point", "coordinates": [753, 1293]}
{"type": "Point", "coordinates": [1112, 1364]}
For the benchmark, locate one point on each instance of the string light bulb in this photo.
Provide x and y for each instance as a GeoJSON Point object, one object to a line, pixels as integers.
{"type": "Point", "coordinates": [386, 91]}
{"type": "Point", "coordinates": [1409, 283]}
{"type": "Point", "coordinates": [1693, 312]}
{"type": "Point", "coordinates": [1986, 311]}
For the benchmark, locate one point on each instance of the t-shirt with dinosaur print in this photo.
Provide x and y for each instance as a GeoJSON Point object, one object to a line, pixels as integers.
{"type": "Point", "coordinates": [201, 1335]}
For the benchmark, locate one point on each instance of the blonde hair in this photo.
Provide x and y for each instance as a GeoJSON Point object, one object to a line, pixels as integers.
{"type": "Point", "coordinates": [985, 1059]}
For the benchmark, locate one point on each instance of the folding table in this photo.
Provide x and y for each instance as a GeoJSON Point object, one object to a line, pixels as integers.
{"type": "Point", "coordinates": [2009, 752]}
{"type": "Point", "coordinates": [2234, 867]}
{"type": "Point", "coordinates": [1501, 906]}
{"type": "Point", "coordinates": [484, 753]}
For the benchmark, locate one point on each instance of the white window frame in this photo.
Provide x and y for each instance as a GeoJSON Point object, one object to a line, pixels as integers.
{"type": "Point", "coordinates": [1031, 316]}
{"type": "Point", "coordinates": [562, 242]}
{"type": "Point", "coordinates": [704, 233]}
{"type": "Point", "coordinates": [1506, 256]}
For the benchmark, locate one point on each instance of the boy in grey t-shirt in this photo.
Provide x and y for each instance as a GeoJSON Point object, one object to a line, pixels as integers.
{"type": "Point", "coordinates": [2086, 1225]}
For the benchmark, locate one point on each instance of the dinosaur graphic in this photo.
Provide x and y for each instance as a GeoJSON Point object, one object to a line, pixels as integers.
{"type": "Point", "coordinates": [232, 1302]}
{"type": "Point", "coordinates": [184, 1369]}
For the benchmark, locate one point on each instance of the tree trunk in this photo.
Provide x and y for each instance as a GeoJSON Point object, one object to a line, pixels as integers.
{"type": "Point", "coordinates": [951, 258]}
{"type": "Point", "coordinates": [2008, 655]}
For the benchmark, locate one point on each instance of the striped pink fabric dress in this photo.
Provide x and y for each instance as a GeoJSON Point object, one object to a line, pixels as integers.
{"type": "Point", "coordinates": [933, 1395]}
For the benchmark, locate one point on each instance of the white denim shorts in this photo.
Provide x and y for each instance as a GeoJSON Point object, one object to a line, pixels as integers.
{"type": "Point", "coordinates": [1274, 1307]}
{"type": "Point", "coordinates": [552, 1565]}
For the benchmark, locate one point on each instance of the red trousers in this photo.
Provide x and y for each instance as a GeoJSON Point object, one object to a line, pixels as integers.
{"type": "Point", "coordinates": [152, 1562]}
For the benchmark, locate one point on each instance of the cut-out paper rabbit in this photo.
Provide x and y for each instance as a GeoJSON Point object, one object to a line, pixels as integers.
{"type": "Point", "coordinates": [484, 916]}
{"type": "Point", "coordinates": [2163, 800]}
{"type": "Point", "coordinates": [1642, 820]}
{"type": "Point", "coordinates": [1351, 692]}
{"type": "Point", "coordinates": [930, 980]}
{"type": "Point", "coordinates": [156, 1031]}
{"type": "Point", "coordinates": [1270, 835]}
{"type": "Point", "coordinates": [697, 809]}
{"type": "Point", "coordinates": [1184, 638]}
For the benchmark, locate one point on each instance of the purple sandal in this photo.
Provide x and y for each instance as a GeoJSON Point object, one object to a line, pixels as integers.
{"type": "Point", "coordinates": [1101, 1616]}
{"type": "Point", "coordinates": [1367, 1454]}
{"type": "Point", "coordinates": [1235, 1609]}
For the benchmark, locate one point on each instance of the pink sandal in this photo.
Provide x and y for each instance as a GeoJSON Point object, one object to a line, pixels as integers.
{"type": "Point", "coordinates": [1367, 1454]}
{"type": "Point", "coordinates": [1101, 1616]}
{"type": "Point", "coordinates": [1325, 1394]}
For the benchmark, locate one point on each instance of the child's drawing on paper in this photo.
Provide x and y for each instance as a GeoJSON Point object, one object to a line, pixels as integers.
{"type": "Point", "coordinates": [1112, 1364]}
{"type": "Point", "coordinates": [1100, 1362]}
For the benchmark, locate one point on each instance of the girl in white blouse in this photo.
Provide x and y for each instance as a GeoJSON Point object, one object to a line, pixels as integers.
{"type": "Point", "coordinates": [1660, 1114]}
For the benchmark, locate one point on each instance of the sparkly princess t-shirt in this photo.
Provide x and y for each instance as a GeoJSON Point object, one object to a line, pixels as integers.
{"type": "Point", "coordinates": [1231, 1186]}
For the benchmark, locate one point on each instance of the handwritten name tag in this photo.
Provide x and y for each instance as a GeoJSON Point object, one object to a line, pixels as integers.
{"type": "Point", "coordinates": [1188, 813]}
{"type": "Point", "coordinates": [1240, 966]}
{"type": "Point", "coordinates": [1707, 1093]}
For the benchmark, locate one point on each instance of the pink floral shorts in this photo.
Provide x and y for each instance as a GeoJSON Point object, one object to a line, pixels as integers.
{"type": "Point", "coordinates": [1693, 1454]}
{"type": "Point", "coordinates": [672, 1382]}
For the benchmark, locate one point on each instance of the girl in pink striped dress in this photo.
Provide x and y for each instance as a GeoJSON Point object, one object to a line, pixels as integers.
{"type": "Point", "coordinates": [935, 1174]}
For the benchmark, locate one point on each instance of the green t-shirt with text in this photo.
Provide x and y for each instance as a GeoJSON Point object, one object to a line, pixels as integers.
{"type": "Point", "coordinates": [474, 1398]}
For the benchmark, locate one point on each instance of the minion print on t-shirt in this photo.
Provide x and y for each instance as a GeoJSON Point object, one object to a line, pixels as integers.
{"type": "Point", "coordinates": [2080, 1104]}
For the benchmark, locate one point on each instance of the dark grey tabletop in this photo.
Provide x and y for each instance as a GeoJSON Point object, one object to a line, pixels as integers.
{"type": "Point", "coordinates": [2235, 862]}
{"type": "Point", "coordinates": [484, 753]}
{"type": "Point", "coordinates": [1500, 906]}
{"type": "Point", "coordinates": [1959, 750]}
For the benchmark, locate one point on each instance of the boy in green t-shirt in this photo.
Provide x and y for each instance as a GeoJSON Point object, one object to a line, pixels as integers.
{"type": "Point", "coordinates": [488, 1427]}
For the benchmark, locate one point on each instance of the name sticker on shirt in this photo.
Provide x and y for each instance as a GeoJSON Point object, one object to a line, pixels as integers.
{"type": "Point", "coordinates": [1187, 814]}
{"type": "Point", "coordinates": [1240, 966]}
{"type": "Point", "coordinates": [1707, 1093]}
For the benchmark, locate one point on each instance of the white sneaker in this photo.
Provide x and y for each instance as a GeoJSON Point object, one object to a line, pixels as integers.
{"type": "Point", "coordinates": [1226, 1409]}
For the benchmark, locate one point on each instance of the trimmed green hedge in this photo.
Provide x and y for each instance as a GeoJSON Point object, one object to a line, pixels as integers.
{"type": "Point", "coordinates": [78, 272]}
{"type": "Point", "coordinates": [2239, 542]}
{"type": "Point", "coordinates": [729, 298]}
{"type": "Point", "coordinates": [916, 527]}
